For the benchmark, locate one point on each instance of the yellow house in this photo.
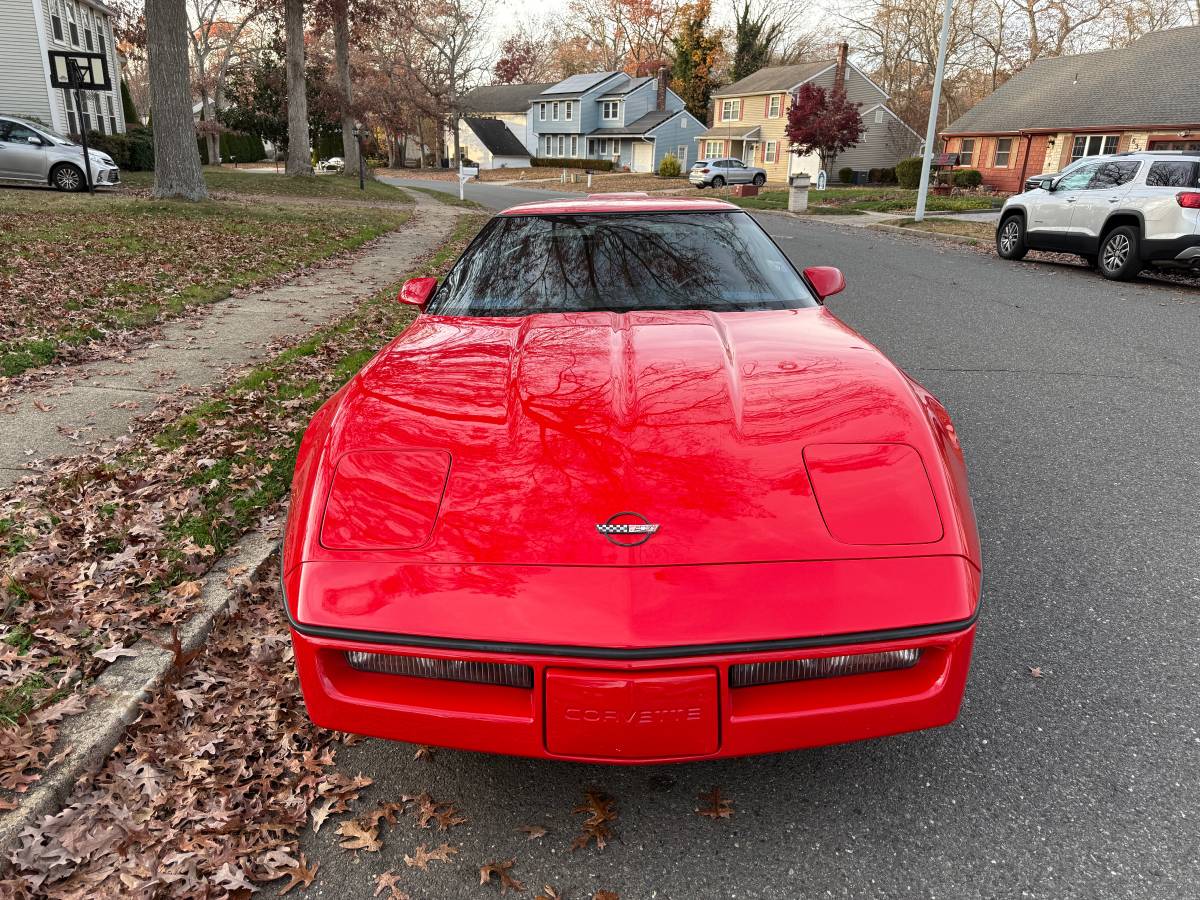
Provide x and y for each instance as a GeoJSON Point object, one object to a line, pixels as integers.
{"type": "Point", "coordinates": [750, 120]}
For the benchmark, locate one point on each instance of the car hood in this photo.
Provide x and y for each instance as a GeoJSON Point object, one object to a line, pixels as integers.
{"type": "Point", "coordinates": [550, 424]}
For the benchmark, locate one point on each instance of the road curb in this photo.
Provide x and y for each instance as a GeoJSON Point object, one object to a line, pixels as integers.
{"type": "Point", "coordinates": [86, 740]}
{"type": "Point", "coordinates": [931, 235]}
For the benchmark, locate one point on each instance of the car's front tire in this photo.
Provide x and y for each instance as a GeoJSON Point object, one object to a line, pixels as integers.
{"type": "Point", "coordinates": [718, 181]}
{"type": "Point", "coordinates": [1119, 260]}
{"type": "Point", "coordinates": [66, 177]}
{"type": "Point", "coordinates": [760, 179]}
{"type": "Point", "coordinates": [1010, 238]}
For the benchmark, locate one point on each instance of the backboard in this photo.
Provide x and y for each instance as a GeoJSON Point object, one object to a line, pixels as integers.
{"type": "Point", "coordinates": [92, 68]}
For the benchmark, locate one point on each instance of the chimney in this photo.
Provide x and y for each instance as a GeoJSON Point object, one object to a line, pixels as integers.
{"type": "Point", "coordinates": [839, 76]}
{"type": "Point", "coordinates": [661, 103]}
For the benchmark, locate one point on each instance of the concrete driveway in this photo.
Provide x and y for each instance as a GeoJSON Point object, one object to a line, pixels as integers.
{"type": "Point", "coordinates": [1078, 402]}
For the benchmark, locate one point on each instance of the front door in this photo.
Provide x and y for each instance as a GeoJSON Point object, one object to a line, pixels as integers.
{"type": "Point", "coordinates": [749, 153]}
{"type": "Point", "coordinates": [20, 159]}
{"type": "Point", "coordinates": [1050, 214]}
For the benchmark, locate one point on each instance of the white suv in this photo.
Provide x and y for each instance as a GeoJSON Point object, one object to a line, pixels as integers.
{"type": "Point", "coordinates": [1121, 213]}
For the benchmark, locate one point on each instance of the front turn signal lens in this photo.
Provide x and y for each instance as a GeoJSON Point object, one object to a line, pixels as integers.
{"type": "Point", "coordinates": [503, 674]}
{"type": "Point", "coordinates": [781, 670]}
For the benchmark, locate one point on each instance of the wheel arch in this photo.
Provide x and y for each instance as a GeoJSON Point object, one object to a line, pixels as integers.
{"type": "Point", "coordinates": [1119, 217]}
{"type": "Point", "coordinates": [61, 164]}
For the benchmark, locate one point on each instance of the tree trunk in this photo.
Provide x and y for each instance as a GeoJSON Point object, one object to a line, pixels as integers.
{"type": "Point", "coordinates": [341, 61]}
{"type": "Point", "coordinates": [176, 158]}
{"type": "Point", "coordinates": [420, 143]}
{"type": "Point", "coordinates": [299, 160]}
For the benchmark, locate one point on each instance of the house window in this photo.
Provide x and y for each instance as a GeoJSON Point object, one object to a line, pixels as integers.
{"type": "Point", "coordinates": [554, 111]}
{"type": "Point", "coordinates": [112, 114]}
{"type": "Point", "coordinates": [771, 153]}
{"type": "Point", "coordinates": [773, 106]}
{"type": "Point", "coordinates": [1093, 145]}
{"type": "Point", "coordinates": [731, 110]}
{"type": "Point", "coordinates": [56, 24]}
{"type": "Point", "coordinates": [879, 116]}
{"type": "Point", "coordinates": [562, 146]}
{"type": "Point", "coordinates": [966, 151]}
{"type": "Point", "coordinates": [567, 112]}
{"type": "Point", "coordinates": [610, 110]}
{"type": "Point", "coordinates": [681, 154]}
{"type": "Point", "coordinates": [87, 39]}
{"type": "Point", "coordinates": [1003, 151]}
{"type": "Point", "coordinates": [74, 35]}
{"type": "Point", "coordinates": [712, 149]}
{"type": "Point", "coordinates": [71, 123]}
{"type": "Point", "coordinates": [574, 142]}
{"type": "Point", "coordinates": [541, 112]}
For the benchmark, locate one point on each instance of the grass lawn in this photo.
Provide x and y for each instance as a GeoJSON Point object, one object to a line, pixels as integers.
{"type": "Point", "coordinates": [448, 199]}
{"type": "Point", "coordinates": [76, 269]}
{"type": "Point", "coordinates": [322, 187]}
{"type": "Point", "coordinates": [985, 231]}
{"type": "Point", "coordinates": [874, 199]}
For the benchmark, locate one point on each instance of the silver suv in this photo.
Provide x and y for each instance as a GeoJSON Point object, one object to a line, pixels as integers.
{"type": "Point", "coordinates": [34, 153]}
{"type": "Point", "coordinates": [1120, 213]}
{"type": "Point", "coordinates": [720, 172]}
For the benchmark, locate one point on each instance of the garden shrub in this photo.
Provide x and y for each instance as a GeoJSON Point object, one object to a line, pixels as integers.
{"type": "Point", "coordinates": [669, 167]}
{"type": "Point", "coordinates": [908, 172]}
{"type": "Point", "coordinates": [596, 165]}
{"type": "Point", "coordinates": [846, 175]}
{"type": "Point", "coordinates": [967, 178]}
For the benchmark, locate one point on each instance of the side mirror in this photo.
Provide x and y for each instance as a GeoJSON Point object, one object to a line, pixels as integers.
{"type": "Point", "coordinates": [1047, 184]}
{"type": "Point", "coordinates": [36, 141]}
{"type": "Point", "coordinates": [825, 280]}
{"type": "Point", "coordinates": [417, 291]}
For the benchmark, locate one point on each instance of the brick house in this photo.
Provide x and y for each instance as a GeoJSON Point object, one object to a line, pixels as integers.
{"type": "Point", "coordinates": [1058, 110]}
{"type": "Point", "coordinates": [750, 120]}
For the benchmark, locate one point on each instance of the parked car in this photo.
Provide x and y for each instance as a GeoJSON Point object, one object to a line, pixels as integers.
{"type": "Point", "coordinates": [720, 172]}
{"type": "Point", "coordinates": [626, 491]}
{"type": "Point", "coordinates": [333, 164]}
{"type": "Point", "coordinates": [1120, 213]}
{"type": "Point", "coordinates": [39, 155]}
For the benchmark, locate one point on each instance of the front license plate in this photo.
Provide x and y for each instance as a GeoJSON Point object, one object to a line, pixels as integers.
{"type": "Point", "coordinates": [643, 715]}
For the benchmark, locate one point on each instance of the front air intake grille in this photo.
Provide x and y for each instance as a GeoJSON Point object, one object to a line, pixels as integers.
{"type": "Point", "coordinates": [504, 674]}
{"type": "Point", "coordinates": [781, 670]}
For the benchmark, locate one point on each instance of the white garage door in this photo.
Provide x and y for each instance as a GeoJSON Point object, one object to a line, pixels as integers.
{"type": "Point", "coordinates": [643, 157]}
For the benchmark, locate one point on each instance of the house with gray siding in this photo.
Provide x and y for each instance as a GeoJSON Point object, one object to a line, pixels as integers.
{"type": "Point", "coordinates": [31, 28]}
{"type": "Point", "coordinates": [750, 120]}
{"type": "Point", "coordinates": [634, 122]}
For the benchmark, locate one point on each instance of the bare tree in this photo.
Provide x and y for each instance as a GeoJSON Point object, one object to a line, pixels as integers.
{"type": "Point", "coordinates": [299, 161]}
{"type": "Point", "coordinates": [454, 32]}
{"type": "Point", "coordinates": [216, 31]}
{"type": "Point", "coordinates": [176, 159]}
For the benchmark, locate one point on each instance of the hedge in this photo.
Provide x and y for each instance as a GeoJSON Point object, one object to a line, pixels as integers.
{"type": "Point", "coordinates": [132, 151]}
{"type": "Point", "coordinates": [670, 167]}
{"type": "Point", "coordinates": [908, 172]}
{"type": "Point", "coordinates": [597, 165]}
{"type": "Point", "coordinates": [967, 178]}
{"type": "Point", "coordinates": [234, 144]}
{"type": "Point", "coordinates": [846, 175]}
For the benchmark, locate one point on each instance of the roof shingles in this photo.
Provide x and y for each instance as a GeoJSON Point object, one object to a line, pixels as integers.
{"type": "Point", "coordinates": [1152, 82]}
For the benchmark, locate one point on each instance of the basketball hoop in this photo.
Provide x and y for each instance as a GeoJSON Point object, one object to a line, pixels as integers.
{"type": "Point", "coordinates": [77, 72]}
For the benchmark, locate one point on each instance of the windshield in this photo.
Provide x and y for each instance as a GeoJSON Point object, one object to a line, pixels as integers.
{"type": "Point", "coordinates": [620, 262]}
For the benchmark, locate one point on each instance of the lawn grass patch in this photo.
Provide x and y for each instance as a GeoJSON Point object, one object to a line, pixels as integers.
{"type": "Point", "coordinates": [866, 199]}
{"type": "Point", "coordinates": [82, 269]}
{"type": "Point", "coordinates": [321, 187]}
{"type": "Point", "coordinates": [985, 231]}
{"type": "Point", "coordinates": [448, 199]}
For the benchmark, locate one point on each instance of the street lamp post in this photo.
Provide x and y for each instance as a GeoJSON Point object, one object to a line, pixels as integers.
{"type": "Point", "coordinates": [361, 162]}
{"type": "Point", "coordinates": [931, 130]}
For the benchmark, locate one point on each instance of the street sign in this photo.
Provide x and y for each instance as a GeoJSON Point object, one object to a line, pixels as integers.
{"type": "Point", "coordinates": [92, 69]}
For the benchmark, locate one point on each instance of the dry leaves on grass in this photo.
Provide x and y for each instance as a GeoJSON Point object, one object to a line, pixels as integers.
{"type": "Point", "coordinates": [205, 800]}
{"type": "Point", "coordinates": [423, 856]}
{"type": "Point", "coordinates": [502, 871]}
{"type": "Point", "coordinates": [715, 805]}
{"type": "Point", "coordinates": [601, 812]}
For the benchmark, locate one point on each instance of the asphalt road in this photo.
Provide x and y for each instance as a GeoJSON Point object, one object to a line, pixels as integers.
{"type": "Point", "coordinates": [1078, 402]}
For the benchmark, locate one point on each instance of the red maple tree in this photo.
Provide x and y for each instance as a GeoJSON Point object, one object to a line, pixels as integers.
{"type": "Point", "coordinates": [824, 122]}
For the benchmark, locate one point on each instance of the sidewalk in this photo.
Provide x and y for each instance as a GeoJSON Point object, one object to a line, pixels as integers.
{"type": "Point", "coordinates": [95, 401]}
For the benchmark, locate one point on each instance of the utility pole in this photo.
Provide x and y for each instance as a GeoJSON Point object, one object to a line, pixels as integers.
{"type": "Point", "coordinates": [931, 131]}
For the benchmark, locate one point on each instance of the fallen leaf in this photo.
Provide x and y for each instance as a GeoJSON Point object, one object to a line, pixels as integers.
{"type": "Point", "coordinates": [301, 873]}
{"type": "Point", "coordinates": [605, 895]}
{"type": "Point", "coordinates": [357, 837]}
{"type": "Point", "coordinates": [111, 653]}
{"type": "Point", "coordinates": [423, 856]}
{"type": "Point", "coordinates": [534, 831]}
{"type": "Point", "coordinates": [425, 753]}
{"type": "Point", "coordinates": [502, 871]}
{"type": "Point", "coordinates": [601, 810]}
{"type": "Point", "coordinates": [1035, 671]}
{"type": "Point", "coordinates": [549, 892]}
{"type": "Point", "coordinates": [716, 805]}
{"type": "Point", "coordinates": [387, 881]}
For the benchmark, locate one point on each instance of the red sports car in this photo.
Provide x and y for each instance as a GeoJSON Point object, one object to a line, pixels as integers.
{"type": "Point", "coordinates": [626, 492]}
